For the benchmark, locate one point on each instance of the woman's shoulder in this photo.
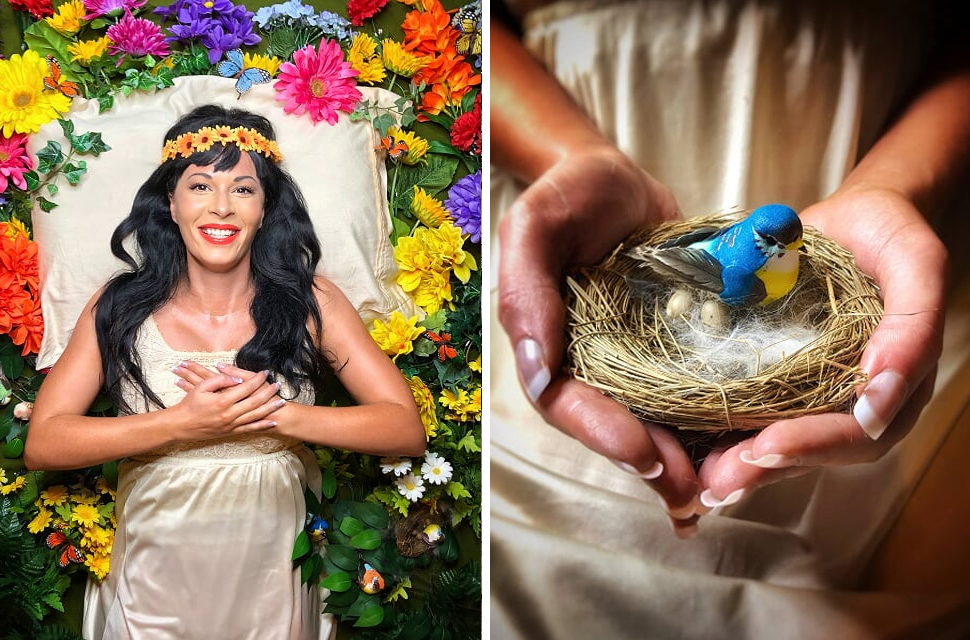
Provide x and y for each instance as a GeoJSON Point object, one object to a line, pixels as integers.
{"type": "Point", "coordinates": [327, 293]}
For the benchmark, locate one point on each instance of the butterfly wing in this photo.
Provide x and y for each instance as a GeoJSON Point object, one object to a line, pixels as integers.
{"type": "Point", "coordinates": [251, 76]}
{"type": "Point", "coordinates": [55, 539]}
{"type": "Point", "coordinates": [232, 65]}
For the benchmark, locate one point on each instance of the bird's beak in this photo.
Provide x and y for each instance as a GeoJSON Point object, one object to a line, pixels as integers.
{"type": "Point", "coordinates": [798, 245]}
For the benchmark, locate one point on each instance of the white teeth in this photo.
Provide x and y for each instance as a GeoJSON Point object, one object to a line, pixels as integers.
{"type": "Point", "coordinates": [219, 233]}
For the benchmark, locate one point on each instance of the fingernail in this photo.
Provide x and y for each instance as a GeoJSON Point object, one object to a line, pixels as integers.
{"type": "Point", "coordinates": [768, 461]}
{"type": "Point", "coordinates": [678, 513]}
{"type": "Point", "coordinates": [272, 423]}
{"type": "Point", "coordinates": [699, 509]}
{"type": "Point", "coordinates": [277, 385]}
{"type": "Point", "coordinates": [280, 402]}
{"type": "Point", "coordinates": [532, 367]}
{"type": "Point", "coordinates": [877, 407]}
{"type": "Point", "coordinates": [220, 366]}
{"type": "Point", "coordinates": [237, 380]}
{"type": "Point", "coordinates": [650, 474]}
{"type": "Point", "coordinates": [708, 499]}
{"type": "Point", "coordinates": [176, 368]}
{"type": "Point", "coordinates": [686, 533]}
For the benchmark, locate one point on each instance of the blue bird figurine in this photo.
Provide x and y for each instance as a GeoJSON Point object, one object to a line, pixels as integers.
{"type": "Point", "coordinates": [753, 261]}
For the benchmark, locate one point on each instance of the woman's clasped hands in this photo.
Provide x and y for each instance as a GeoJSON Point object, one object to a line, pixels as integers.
{"type": "Point", "coordinates": [225, 401]}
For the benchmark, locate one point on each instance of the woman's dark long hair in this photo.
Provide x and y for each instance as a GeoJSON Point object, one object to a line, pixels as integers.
{"type": "Point", "coordinates": [285, 252]}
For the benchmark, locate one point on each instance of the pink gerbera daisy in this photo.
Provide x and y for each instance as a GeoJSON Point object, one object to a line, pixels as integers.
{"type": "Point", "coordinates": [320, 82]}
{"type": "Point", "coordinates": [14, 161]}
{"type": "Point", "coordinates": [97, 8]}
{"type": "Point", "coordinates": [136, 37]}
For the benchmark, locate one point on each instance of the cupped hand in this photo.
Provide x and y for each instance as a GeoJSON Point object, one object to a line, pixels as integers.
{"type": "Point", "coordinates": [230, 400]}
{"type": "Point", "coordinates": [892, 242]}
{"type": "Point", "coordinates": [572, 216]}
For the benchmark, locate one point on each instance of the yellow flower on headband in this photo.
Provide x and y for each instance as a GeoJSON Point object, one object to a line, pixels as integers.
{"type": "Point", "coordinates": [202, 140]}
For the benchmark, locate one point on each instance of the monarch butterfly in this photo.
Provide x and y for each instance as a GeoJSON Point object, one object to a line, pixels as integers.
{"type": "Point", "coordinates": [53, 82]}
{"type": "Point", "coordinates": [234, 67]}
{"type": "Point", "coordinates": [69, 553]}
{"type": "Point", "coordinates": [394, 149]}
{"type": "Point", "coordinates": [468, 21]}
{"type": "Point", "coordinates": [443, 342]}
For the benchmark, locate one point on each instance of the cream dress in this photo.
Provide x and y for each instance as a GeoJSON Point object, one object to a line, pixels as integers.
{"type": "Point", "coordinates": [206, 531]}
{"type": "Point", "coordinates": [730, 104]}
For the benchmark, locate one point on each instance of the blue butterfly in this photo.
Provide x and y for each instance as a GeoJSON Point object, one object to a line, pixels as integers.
{"type": "Point", "coordinates": [232, 67]}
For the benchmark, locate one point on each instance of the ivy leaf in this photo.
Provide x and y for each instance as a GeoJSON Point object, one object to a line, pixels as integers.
{"type": "Point", "coordinates": [371, 617]}
{"type": "Point", "coordinates": [50, 156]}
{"type": "Point", "coordinates": [384, 122]}
{"type": "Point", "coordinates": [52, 189]}
{"type": "Point", "coordinates": [33, 180]}
{"type": "Point", "coordinates": [89, 142]}
{"type": "Point", "coordinates": [457, 490]}
{"type": "Point", "coordinates": [337, 582]}
{"type": "Point", "coordinates": [469, 443]}
{"type": "Point", "coordinates": [74, 172]}
{"type": "Point", "coordinates": [46, 205]}
{"type": "Point", "coordinates": [67, 126]}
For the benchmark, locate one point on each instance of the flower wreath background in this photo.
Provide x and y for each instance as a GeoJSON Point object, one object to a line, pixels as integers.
{"type": "Point", "coordinates": [413, 526]}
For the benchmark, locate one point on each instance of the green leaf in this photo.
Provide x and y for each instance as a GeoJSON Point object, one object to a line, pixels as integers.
{"type": "Point", "coordinates": [329, 486]}
{"type": "Point", "coordinates": [343, 556]}
{"type": "Point", "coordinates": [437, 146]}
{"type": "Point", "coordinates": [310, 570]}
{"type": "Point", "coordinates": [46, 205]}
{"type": "Point", "coordinates": [369, 539]}
{"type": "Point", "coordinates": [45, 40]}
{"type": "Point", "coordinates": [372, 514]}
{"type": "Point", "coordinates": [67, 126]}
{"type": "Point", "coordinates": [11, 360]}
{"type": "Point", "coordinates": [105, 102]}
{"type": "Point", "coordinates": [13, 449]}
{"type": "Point", "coordinates": [371, 617]}
{"type": "Point", "coordinates": [384, 122]}
{"type": "Point", "coordinates": [448, 549]}
{"type": "Point", "coordinates": [363, 602]}
{"type": "Point", "coordinates": [400, 229]}
{"type": "Point", "coordinates": [301, 546]}
{"type": "Point", "coordinates": [110, 472]}
{"type": "Point", "coordinates": [50, 156]}
{"type": "Point", "coordinates": [90, 142]}
{"type": "Point", "coordinates": [73, 172]}
{"type": "Point", "coordinates": [52, 189]}
{"type": "Point", "coordinates": [469, 443]}
{"type": "Point", "coordinates": [351, 526]}
{"type": "Point", "coordinates": [337, 581]}
{"type": "Point", "coordinates": [433, 177]}
{"type": "Point", "coordinates": [457, 490]}
{"type": "Point", "coordinates": [33, 180]}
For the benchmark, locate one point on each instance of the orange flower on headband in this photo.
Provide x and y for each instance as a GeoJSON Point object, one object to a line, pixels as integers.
{"type": "Point", "coordinates": [203, 139]}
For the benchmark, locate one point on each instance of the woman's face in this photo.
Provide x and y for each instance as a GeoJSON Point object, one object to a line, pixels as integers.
{"type": "Point", "coordinates": [218, 213]}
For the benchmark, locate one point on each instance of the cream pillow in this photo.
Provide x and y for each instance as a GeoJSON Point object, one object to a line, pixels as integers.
{"type": "Point", "coordinates": [342, 178]}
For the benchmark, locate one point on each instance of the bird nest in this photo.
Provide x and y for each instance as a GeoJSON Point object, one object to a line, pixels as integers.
{"type": "Point", "coordinates": [622, 340]}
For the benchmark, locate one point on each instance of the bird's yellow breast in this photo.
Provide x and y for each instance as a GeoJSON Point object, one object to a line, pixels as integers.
{"type": "Point", "coordinates": [779, 276]}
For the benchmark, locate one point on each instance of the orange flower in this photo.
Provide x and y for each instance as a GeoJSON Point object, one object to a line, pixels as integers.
{"type": "Point", "coordinates": [28, 324]}
{"type": "Point", "coordinates": [455, 78]}
{"type": "Point", "coordinates": [10, 299]}
{"type": "Point", "coordinates": [204, 138]}
{"type": "Point", "coordinates": [429, 32]}
{"type": "Point", "coordinates": [185, 144]}
{"type": "Point", "coordinates": [244, 139]}
{"type": "Point", "coordinates": [18, 263]}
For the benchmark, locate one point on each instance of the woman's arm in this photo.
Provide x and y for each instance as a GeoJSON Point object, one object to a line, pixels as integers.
{"type": "Point", "coordinates": [61, 436]}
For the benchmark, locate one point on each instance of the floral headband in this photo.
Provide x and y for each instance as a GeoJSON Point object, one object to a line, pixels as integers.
{"type": "Point", "coordinates": [203, 139]}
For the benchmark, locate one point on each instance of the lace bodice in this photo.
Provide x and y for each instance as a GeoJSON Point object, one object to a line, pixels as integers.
{"type": "Point", "coordinates": [157, 361]}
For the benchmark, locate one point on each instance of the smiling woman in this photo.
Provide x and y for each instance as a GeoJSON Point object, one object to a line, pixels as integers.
{"type": "Point", "coordinates": [212, 344]}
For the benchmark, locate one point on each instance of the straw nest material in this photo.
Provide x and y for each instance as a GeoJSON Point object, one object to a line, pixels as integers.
{"type": "Point", "coordinates": [622, 341]}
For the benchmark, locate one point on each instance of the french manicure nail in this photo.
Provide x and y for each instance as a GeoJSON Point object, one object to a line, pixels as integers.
{"type": "Point", "coordinates": [280, 402]}
{"type": "Point", "coordinates": [708, 499]}
{"type": "Point", "coordinates": [532, 367]}
{"type": "Point", "coordinates": [654, 472]}
{"type": "Point", "coordinates": [237, 380]}
{"type": "Point", "coordinates": [220, 365]}
{"type": "Point", "coordinates": [879, 403]}
{"type": "Point", "coordinates": [679, 513]}
{"type": "Point", "coordinates": [768, 461]}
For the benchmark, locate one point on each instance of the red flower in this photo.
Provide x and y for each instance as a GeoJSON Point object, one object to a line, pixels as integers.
{"type": "Point", "coordinates": [466, 132]}
{"type": "Point", "coordinates": [18, 263]}
{"type": "Point", "coordinates": [37, 8]}
{"type": "Point", "coordinates": [360, 10]}
{"type": "Point", "coordinates": [28, 326]}
{"type": "Point", "coordinates": [429, 32]}
{"type": "Point", "coordinates": [10, 299]}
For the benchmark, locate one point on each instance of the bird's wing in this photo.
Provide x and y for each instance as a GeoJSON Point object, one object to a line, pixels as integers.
{"type": "Point", "coordinates": [742, 287]}
{"type": "Point", "coordinates": [687, 265]}
{"type": "Point", "coordinates": [697, 235]}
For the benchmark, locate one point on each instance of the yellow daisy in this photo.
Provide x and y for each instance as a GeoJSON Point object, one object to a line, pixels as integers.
{"type": "Point", "coordinates": [417, 146]}
{"type": "Point", "coordinates": [363, 57]}
{"type": "Point", "coordinates": [3, 476]}
{"type": "Point", "coordinates": [396, 337]}
{"type": "Point", "coordinates": [400, 61]}
{"type": "Point", "coordinates": [434, 292]}
{"type": "Point", "coordinates": [476, 364]}
{"type": "Point", "coordinates": [270, 64]}
{"type": "Point", "coordinates": [40, 521]}
{"type": "Point", "coordinates": [98, 564]}
{"type": "Point", "coordinates": [447, 241]}
{"type": "Point", "coordinates": [429, 210]}
{"type": "Point", "coordinates": [426, 405]}
{"type": "Point", "coordinates": [14, 227]}
{"type": "Point", "coordinates": [69, 18]}
{"type": "Point", "coordinates": [85, 514]}
{"type": "Point", "coordinates": [87, 51]}
{"type": "Point", "coordinates": [24, 104]}
{"type": "Point", "coordinates": [96, 537]}
{"type": "Point", "coordinates": [54, 495]}
{"type": "Point", "coordinates": [16, 485]}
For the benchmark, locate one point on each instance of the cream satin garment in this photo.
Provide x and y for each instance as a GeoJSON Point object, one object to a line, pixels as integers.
{"type": "Point", "coordinates": [730, 104]}
{"type": "Point", "coordinates": [205, 533]}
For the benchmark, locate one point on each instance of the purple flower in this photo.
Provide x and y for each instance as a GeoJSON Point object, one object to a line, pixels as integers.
{"type": "Point", "coordinates": [218, 24]}
{"type": "Point", "coordinates": [136, 37]}
{"type": "Point", "coordinates": [465, 204]}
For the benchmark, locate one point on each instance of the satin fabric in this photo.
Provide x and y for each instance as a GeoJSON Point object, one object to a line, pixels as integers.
{"type": "Point", "coordinates": [730, 104]}
{"type": "Point", "coordinates": [205, 532]}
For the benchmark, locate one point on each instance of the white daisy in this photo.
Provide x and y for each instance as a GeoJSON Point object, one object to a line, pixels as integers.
{"type": "Point", "coordinates": [436, 469]}
{"type": "Point", "coordinates": [397, 466]}
{"type": "Point", "coordinates": [411, 487]}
